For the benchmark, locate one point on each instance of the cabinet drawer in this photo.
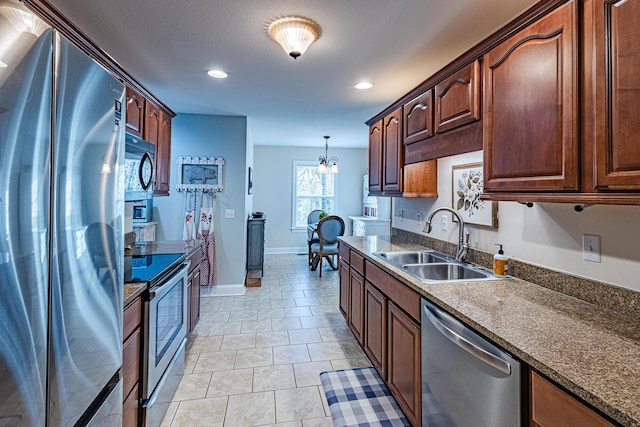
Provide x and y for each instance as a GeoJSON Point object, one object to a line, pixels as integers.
{"type": "Point", "coordinates": [552, 407]}
{"type": "Point", "coordinates": [132, 317]}
{"type": "Point", "coordinates": [357, 262]}
{"type": "Point", "coordinates": [195, 258]}
{"type": "Point", "coordinates": [130, 409]}
{"type": "Point", "coordinates": [343, 251]}
{"type": "Point", "coordinates": [395, 290]}
{"type": "Point", "coordinates": [131, 361]}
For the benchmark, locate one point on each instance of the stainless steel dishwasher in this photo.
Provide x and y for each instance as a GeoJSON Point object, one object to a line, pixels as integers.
{"type": "Point", "coordinates": [466, 380]}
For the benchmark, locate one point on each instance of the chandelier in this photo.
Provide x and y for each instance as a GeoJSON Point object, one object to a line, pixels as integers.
{"type": "Point", "coordinates": [294, 33]}
{"type": "Point", "coordinates": [326, 161]}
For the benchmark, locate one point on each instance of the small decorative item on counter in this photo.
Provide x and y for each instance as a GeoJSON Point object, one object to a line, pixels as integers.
{"type": "Point", "coordinates": [500, 262]}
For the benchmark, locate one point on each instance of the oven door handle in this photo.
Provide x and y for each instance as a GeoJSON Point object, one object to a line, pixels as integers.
{"type": "Point", "coordinates": [468, 346]}
{"type": "Point", "coordinates": [159, 291]}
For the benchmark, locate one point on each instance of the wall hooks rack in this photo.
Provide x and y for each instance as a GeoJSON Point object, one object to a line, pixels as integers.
{"type": "Point", "coordinates": [200, 174]}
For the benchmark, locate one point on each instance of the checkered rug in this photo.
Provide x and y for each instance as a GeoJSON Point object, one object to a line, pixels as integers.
{"type": "Point", "coordinates": [358, 397]}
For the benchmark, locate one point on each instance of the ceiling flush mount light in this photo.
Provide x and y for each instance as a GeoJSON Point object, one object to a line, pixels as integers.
{"type": "Point", "coordinates": [294, 33]}
{"type": "Point", "coordinates": [217, 74]}
{"type": "Point", "coordinates": [326, 161]}
{"type": "Point", "coordinates": [23, 20]}
{"type": "Point", "coordinates": [363, 85]}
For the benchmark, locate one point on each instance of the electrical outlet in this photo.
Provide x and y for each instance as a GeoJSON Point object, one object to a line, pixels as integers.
{"type": "Point", "coordinates": [230, 213]}
{"type": "Point", "coordinates": [591, 248]}
{"type": "Point", "coordinates": [419, 217]}
{"type": "Point", "coordinates": [401, 214]}
{"type": "Point", "coordinates": [444, 223]}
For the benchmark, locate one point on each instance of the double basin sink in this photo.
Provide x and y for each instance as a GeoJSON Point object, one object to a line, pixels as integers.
{"type": "Point", "coordinates": [433, 266]}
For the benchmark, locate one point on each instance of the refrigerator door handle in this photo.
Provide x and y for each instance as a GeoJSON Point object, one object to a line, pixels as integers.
{"type": "Point", "coordinates": [467, 345]}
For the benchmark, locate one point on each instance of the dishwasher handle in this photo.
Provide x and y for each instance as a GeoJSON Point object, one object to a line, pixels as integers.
{"type": "Point", "coordinates": [468, 346]}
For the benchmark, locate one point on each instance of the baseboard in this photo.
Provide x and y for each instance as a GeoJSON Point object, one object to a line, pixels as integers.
{"type": "Point", "coordinates": [290, 250]}
{"type": "Point", "coordinates": [222, 290]}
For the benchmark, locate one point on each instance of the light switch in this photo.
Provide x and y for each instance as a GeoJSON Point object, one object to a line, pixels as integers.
{"type": "Point", "coordinates": [230, 213]}
{"type": "Point", "coordinates": [591, 248]}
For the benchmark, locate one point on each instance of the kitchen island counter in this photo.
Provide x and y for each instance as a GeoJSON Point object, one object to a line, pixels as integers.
{"type": "Point", "coordinates": [591, 351]}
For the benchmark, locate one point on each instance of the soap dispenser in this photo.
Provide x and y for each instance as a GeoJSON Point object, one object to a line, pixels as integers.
{"type": "Point", "coordinates": [500, 262]}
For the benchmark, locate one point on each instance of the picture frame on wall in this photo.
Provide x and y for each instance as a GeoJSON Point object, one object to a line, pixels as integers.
{"type": "Point", "coordinates": [467, 187]}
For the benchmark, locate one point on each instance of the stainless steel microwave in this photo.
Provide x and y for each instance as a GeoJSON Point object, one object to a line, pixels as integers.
{"type": "Point", "coordinates": [139, 166]}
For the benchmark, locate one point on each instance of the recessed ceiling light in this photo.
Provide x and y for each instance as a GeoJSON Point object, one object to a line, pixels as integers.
{"type": "Point", "coordinates": [363, 85]}
{"type": "Point", "coordinates": [217, 74]}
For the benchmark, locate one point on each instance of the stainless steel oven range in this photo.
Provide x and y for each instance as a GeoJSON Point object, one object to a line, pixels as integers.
{"type": "Point", "coordinates": [165, 335]}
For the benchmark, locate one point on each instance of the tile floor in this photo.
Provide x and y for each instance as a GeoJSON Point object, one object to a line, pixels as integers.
{"type": "Point", "coordinates": [255, 359]}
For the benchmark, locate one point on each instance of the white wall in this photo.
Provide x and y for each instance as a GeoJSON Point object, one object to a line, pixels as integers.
{"type": "Point", "coordinates": [273, 190]}
{"type": "Point", "coordinates": [548, 234]}
{"type": "Point", "coordinates": [206, 136]}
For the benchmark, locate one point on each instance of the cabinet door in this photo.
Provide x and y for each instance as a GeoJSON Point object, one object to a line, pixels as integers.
{"type": "Point", "coordinates": [375, 328]}
{"type": "Point", "coordinates": [552, 407]}
{"type": "Point", "coordinates": [418, 118]}
{"type": "Point", "coordinates": [130, 409]}
{"type": "Point", "coordinates": [135, 113]}
{"type": "Point", "coordinates": [392, 153]}
{"type": "Point", "coordinates": [458, 98]}
{"type": "Point", "coordinates": [375, 158]}
{"type": "Point", "coordinates": [194, 298]}
{"type": "Point", "coordinates": [617, 94]}
{"type": "Point", "coordinates": [356, 304]}
{"type": "Point", "coordinates": [344, 289]}
{"type": "Point", "coordinates": [530, 109]}
{"type": "Point", "coordinates": [151, 124]}
{"type": "Point", "coordinates": [404, 373]}
{"type": "Point", "coordinates": [163, 156]}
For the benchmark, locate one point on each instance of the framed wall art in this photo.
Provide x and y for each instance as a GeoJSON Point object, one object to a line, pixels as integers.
{"type": "Point", "coordinates": [467, 187]}
{"type": "Point", "coordinates": [200, 174]}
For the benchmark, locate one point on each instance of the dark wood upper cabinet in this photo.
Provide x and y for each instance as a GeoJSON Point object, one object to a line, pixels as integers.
{"type": "Point", "coordinates": [616, 85]}
{"type": "Point", "coordinates": [375, 158]}
{"type": "Point", "coordinates": [151, 123]}
{"type": "Point", "coordinates": [393, 153]}
{"type": "Point", "coordinates": [134, 122]}
{"type": "Point", "coordinates": [418, 118]}
{"type": "Point", "coordinates": [163, 156]}
{"type": "Point", "coordinates": [531, 107]}
{"type": "Point", "coordinates": [458, 98]}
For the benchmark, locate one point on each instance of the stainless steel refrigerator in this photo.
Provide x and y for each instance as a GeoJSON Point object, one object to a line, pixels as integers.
{"type": "Point", "coordinates": [62, 208]}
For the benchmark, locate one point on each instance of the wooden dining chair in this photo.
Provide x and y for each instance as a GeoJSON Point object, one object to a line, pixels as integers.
{"type": "Point", "coordinates": [329, 229]}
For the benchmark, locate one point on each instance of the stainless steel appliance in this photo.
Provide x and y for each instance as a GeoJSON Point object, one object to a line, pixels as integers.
{"type": "Point", "coordinates": [140, 157]}
{"type": "Point", "coordinates": [142, 211]}
{"type": "Point", "coordinates": [166, 335]}
{"type": "Point", "coordinates": [466, 380]}
{"type": "Point", "coordinates": [61, 242]}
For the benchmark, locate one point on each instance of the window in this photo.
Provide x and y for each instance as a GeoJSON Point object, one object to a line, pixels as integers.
{"type": "Point", "coordinates": [312, 190]}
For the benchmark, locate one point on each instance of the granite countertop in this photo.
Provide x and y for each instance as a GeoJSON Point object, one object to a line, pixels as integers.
{"type": "Point", "coordinates": [591, 351]}
{"type": "Point", "coordinates": [133, 289]}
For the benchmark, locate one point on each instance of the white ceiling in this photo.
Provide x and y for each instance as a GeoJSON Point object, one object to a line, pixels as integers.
{"type": "Point", "coordinates": [169, 44]}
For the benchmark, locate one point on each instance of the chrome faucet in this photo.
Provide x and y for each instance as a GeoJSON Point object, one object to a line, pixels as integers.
{"type": "Point", "coordinates": [463, 247]}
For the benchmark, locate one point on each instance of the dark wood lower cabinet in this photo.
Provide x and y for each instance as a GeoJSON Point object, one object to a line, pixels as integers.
{"type": "Point", "coordinates": [131, 357]}
{"type": "Point", "coordinates": [356, 304]}
{"type": "Point", "coordinates": [344, 288]}
{"type": "Point", "coordinates": [193, 291]}
{"type": "Point", "coordinates": [375, 328]}
{"type": "Point", "coordinates": [404, 372]}
{"type": "Point", "coordinates": [130, 409]}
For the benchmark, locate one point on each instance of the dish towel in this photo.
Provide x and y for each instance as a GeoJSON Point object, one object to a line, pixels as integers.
{"type": "Point", "coordinates": [208, 276]}
{"type": "Point", "coordinates": [189, 227]}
